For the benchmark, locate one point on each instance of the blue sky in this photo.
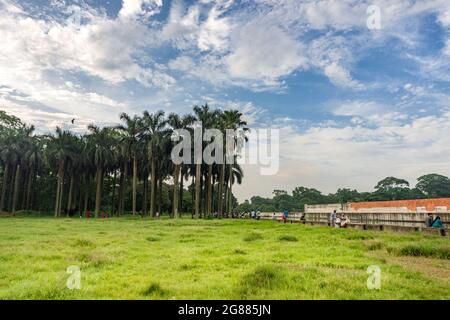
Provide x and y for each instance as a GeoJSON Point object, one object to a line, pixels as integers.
{"type": "Point", "coordinates": [353, 105]}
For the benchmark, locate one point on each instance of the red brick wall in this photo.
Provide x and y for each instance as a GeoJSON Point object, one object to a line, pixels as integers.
{"type": "Point", "coordinates": [430, 204]}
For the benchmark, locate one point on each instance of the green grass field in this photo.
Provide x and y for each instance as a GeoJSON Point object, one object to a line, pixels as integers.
{"type": "Point", "coordinates": [130, 258]}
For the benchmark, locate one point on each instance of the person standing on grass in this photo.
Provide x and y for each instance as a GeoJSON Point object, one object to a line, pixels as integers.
{"type": "Point", "coordinates": [333, 217]}
{"type": "Point", "coordinates": [429, 220]}
{"type": "Point", "coordinates": [437, 223]}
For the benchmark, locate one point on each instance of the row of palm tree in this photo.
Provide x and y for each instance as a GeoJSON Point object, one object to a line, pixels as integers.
{"type": "Point", "coordinates": [138, 149]}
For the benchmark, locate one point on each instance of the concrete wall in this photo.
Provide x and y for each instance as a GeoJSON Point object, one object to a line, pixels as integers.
{"type": "Point", "coordinates": [401, 206]}
{"type": "Point", "coordinates": [388, 219]}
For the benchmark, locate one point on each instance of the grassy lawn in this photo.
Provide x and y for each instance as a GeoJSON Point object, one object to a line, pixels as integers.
{"type": "Point", "coordinates": [215, 259]}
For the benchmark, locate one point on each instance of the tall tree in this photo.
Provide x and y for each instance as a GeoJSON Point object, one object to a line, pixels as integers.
{"type": "Point", "coordinates": [154, 133]}
{"type": "Point", "coordinates": [176, 122]}
{"type": "Point", "coordinates": [132, 131]}
{"type": "Point", "coordinates": [101, 152]}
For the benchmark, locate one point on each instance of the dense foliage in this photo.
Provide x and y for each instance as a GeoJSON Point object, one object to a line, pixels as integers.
{"type": "Point", "coordinates": [120, 169]}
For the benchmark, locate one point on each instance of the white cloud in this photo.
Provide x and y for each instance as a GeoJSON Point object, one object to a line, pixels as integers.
{"type": "Point", "coordinates": [340, 76]}
{"type": "Point", "coordinates": [264, 52]}
{"type": "Point", "coordinates": [133, 8]}
{"type": "Point", "coordinates": [354, 156]}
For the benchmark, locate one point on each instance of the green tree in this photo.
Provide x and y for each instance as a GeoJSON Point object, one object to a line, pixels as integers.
{"type": "Point", "coordinates": [434, 185]}
{"type": "Point", "coordinates": [132, 130]}
{"type": "Point", "coordinates": [154, 133]}
{"type": "Point", "coordinates": [101, 150]}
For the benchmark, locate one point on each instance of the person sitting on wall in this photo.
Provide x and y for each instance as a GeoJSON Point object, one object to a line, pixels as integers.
{"type": "Point", "coordinates": [337, 222]}
{"type": "Point", "coordinates": [429, 220]}
{"type": "Point", "coordinates": [437, 223]}
{"type": "Point", "coordinates": [344, 221]}
{"type": "Point", "coordinates": [303, 218]}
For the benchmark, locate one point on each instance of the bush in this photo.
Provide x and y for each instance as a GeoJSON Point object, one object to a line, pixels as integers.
{"type": "Point", "coordinates": [376, 245]}
{"type": "Point", "coordinates": [83, 243]}
{"type": "Point", "coordinates": [287, 238]}
{"type": "Point", "coordinates": [422, 251]}
{"type": "Point", "coordinates": [253, 236]}
{"type": "Point", "coordinates": [154, 289]}
{"type": "Point", "coordinates": [262, 278]}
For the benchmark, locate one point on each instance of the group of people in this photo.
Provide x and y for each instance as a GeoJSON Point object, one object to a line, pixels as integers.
{"type": "Point", "coordinates": [243, 215]}
{"type": "Point", "coordinates": [337, 221]}
{"type": "Point", "coordinates": [433, 223]}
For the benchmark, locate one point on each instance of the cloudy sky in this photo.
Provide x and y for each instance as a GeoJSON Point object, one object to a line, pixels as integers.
{"type": "Point", "coordinates": [353, 104]}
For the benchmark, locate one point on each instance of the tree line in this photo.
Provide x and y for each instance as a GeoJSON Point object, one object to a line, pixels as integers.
{"type": "Point", "coordinates": [115, 169]}
{"type": "Point", "coordinates": [390, 188]}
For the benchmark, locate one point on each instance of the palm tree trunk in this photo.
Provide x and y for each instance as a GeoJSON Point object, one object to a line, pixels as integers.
{"type": "Point", "coordinates": [197, 189]}
{"type": "Point", "coordinates": [61, 194]}
{"type": "Point", "coordinates": [175, 192]}
{"type": "Point", "coordinates": [220, 192]}
{"type": "Point", "coordinates": [86, 193]}
{"type": "Point", "coordinates": [58, 187]}
{"type": "Point", "coordinates": [193, 196]}
{"type": "Point", "coordinates": [124, 187]}
{"type": "Point", "coordinates": [153, 187]}
{"type": "Point", "coordinates": [180, 210]}
{"type": "Point", "coordinates": [112, 207]}
{"type": "Point", "coordinates": [230, 192]}
{"type": "Point", "coordinates": [160, 192]}
{"type": "Point", "coordinates": [4, 186]}
{"type": "Point", "coordinates": [69, 199]}
{"type": "Point", "coordinates": [121, 179]}
{"type": "Point", "coordinates": [209, 190]}
{"type": "Point", "coordinates": [98, 194]}
{"type": "Point", "coordinates": [23, 192]}
{"type": "Point", "coordinates": [11, 189]}
{"type": "Point", "coordinates": [144, 197]}
{"type": "Point", "coordinates": [134, 183]}
{"type": "Point", "coordinates": [16, 189]}
{"type": "Point", "coordinates": [29, 189]}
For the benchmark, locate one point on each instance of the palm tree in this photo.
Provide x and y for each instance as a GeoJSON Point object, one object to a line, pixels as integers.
{"type": "Point", "coordinates": [82, 163]}
{"type": "Point", "coordinates": [60, 150]}
{"type": "Point", "coordinates": [34, 160]}
{"type": "Point", "coordinates": [177, 122]}
{"type": "Point", "coordinates": [209, 119]}
{"type": "Point", "coordinates": [236, 175]}
{"type": "Point", "coordinates": [101, 152]}
{"type": "Point", "coordinates": [154, 132]}
{"type": "Point", "coordinates": [132, 132]}
{"type": "Point", "coordinates": [230, 120]}
{"type": "Point", "coordinates": [8, 157]}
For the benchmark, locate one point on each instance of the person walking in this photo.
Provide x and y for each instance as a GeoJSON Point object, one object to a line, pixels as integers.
{"type": "Point", "coordinates": [333, 217]}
